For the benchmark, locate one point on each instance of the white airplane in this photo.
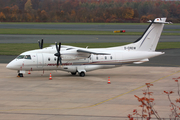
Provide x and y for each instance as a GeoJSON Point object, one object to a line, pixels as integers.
{"type": "Point", "coordinates": [81, 60]}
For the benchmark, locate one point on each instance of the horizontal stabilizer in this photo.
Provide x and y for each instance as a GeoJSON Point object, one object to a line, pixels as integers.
{"type": "Point", "coordinates": [160, 21]}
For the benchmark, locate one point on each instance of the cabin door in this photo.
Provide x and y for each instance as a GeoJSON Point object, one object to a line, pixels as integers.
{"type": "Point", "coordinates": [40, 60]}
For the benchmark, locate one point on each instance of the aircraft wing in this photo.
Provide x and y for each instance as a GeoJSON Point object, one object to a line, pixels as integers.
{"type": "Point", "coordinates": [92, 52]}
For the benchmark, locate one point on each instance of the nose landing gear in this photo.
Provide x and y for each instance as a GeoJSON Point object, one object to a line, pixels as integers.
{"type": "Point", "coordinates": [20, 75]}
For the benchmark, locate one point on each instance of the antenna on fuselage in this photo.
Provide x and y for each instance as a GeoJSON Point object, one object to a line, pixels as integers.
{"type": "Point", "coordinates": [40, 44]}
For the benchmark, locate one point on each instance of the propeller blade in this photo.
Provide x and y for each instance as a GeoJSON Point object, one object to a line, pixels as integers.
{"type": "Point", "coordinates": [39, 44]}
{"type": "Point", "coordinates": [58, 61]}
{"type": "Point", "coordinates": [42, 43]}
{"type": "Point", "coordinates": [58, 54]}
{"type": "Point", "coordinates": [57, 48]}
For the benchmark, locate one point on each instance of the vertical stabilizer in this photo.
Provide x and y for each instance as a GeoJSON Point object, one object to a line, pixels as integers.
{"type": "Point", "coordinates": [149, 40]}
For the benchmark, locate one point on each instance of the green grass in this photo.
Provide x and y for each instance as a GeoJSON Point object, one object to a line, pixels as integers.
{"type": "Point", "coordinates": [68, 32]}
{"type": "Point", "coordinates": [61, 32]}
{"type": "Point", "coordinates": [66, 23]}
{"type": "Point", "coordinates": [172, 30]}
{"type": "Point", "coordinates": [16, 49]}
{"type": "Point", "coordinates": [76, 23]}
{"type": "Point", "coordinates": [168, 45]}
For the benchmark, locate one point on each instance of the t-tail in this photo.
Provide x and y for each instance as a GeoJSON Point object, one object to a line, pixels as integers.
{"type": "Point", "coordinates": [149, 40]}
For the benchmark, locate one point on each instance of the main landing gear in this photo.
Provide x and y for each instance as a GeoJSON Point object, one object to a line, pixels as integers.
{"type": "Point", "coordinates": [82, 74]}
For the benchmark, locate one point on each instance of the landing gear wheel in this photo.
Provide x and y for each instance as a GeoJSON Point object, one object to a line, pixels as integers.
{"type": "Point", "coordinates": [82, 74]}
{"type": "Point", "coordinates": [20, 75]}
{"type": "Point", "coordinates": [73, 73]}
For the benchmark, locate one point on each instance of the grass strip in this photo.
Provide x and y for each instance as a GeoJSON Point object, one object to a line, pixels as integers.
{"type": "Point", "coordinates": [76, 23]}
{"type": "Point", "coordinates": [171, 29]}
{"type": "Point", "coordinates": [66, 23]}
{"type": "Point", "coordinates": [18, 48]}
{"type": "Point", "coordinates": [67, 32]}
{"type": "Point", "coordinates": [61, 32]}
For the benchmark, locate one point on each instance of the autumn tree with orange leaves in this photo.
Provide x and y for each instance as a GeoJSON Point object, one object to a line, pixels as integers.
{"type": "Point", "coordinates": [2, 17]}
{"type": "Point", "coordinates": [147, 105]}
{"type": "Point", "coordinates": [88, 10]}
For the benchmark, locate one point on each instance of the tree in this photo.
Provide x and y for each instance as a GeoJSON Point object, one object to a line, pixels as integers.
{"type": "Point", "coordinates": [44, 16]}
{"type": "Point", "coordinates": [144, 19]}
{"type": "Point", "coordinates": [28, 17]}
{"type": "Point", "coordinates": [129, 13]}
{"type": "Point", "coordinates": [28, 5]}
{"type": "Point", "coordinates": [89, 10]}
{"type": "Point", "coordinates": [2, 16]}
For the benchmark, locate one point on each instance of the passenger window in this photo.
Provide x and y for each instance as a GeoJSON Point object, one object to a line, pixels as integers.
{"type": "Point", "coordinates": [54, 59]}
{"type": "Point", "coordinates": [97, 58]}
{"type": "Point", "coordinates": [111, 57]}
{"type": "Point", "coordinates": [105, 57]}
{"type": "Point", "coordinates": [49, 59]}
{"type": "Point", "coordinates": [28, 57]}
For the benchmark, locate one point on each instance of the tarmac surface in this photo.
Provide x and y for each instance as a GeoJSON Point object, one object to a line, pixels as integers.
{"type": "Point", "coordinates": [84, 98]}
{"type": "Point", "coordinates": [77, 38]}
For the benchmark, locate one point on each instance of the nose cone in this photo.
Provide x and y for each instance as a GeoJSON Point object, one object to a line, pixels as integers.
{"type": "Point", "coordinates": [11, 65]}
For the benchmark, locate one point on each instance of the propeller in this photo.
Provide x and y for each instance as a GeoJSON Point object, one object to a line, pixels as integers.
{"type": "Point", "coordinates": [40, 44]}
{"type": "Point", "coordinates": [58, 54]}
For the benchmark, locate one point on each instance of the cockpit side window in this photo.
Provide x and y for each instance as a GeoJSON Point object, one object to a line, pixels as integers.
{"type": "Point", "coordinates": [20, 56]}
{"type": "Point", "coordinates": [27, 57]}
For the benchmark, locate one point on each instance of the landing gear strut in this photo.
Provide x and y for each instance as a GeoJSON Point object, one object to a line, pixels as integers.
{"type": "Point", "coordinates": [20, 74]}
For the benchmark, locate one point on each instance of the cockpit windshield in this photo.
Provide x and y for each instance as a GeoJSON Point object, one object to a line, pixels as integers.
{"type": "Point", "coordinates": [23, 57]}
{"type": "Point", "coordinates": [20, 57]}
{"type": "Point", "coordinates": [27, 57]}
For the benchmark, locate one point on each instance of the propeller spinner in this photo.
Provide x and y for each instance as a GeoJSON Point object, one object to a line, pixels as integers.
{"type": "Point", "coordinates": [40, 44]}
{"type": "Point", "coordinates": [58, 54]}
